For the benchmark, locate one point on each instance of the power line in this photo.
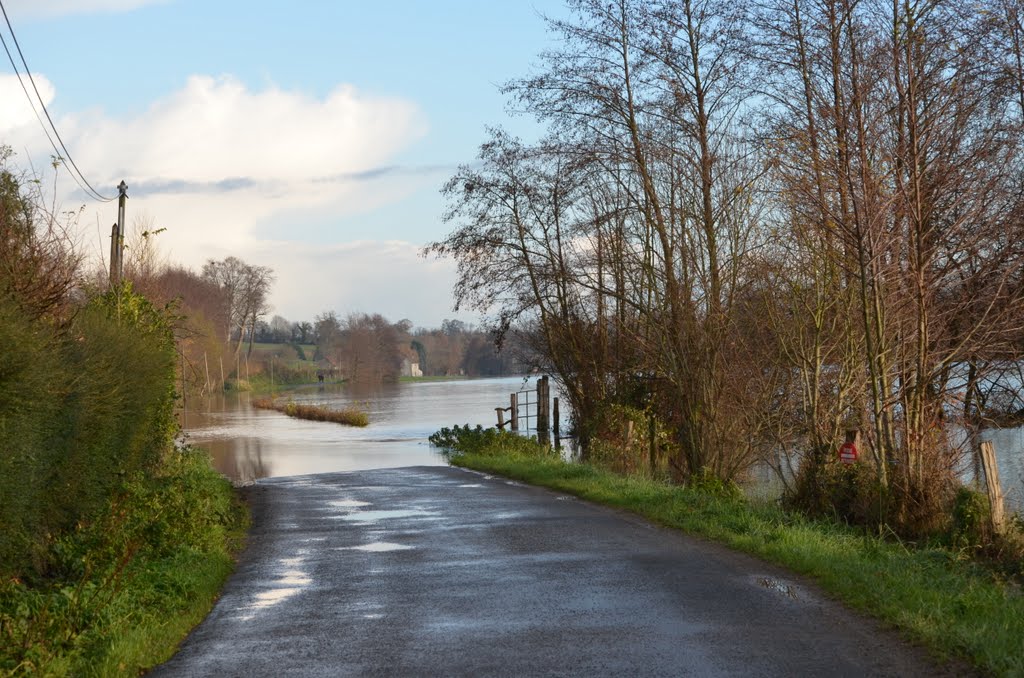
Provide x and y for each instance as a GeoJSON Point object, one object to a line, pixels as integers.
{"type": "Point", "coordinates": [77, 175]}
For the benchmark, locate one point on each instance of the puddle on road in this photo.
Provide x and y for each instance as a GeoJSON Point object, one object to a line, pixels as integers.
{"type": "Point", "coordinates": [290, 579]}
{"type": "Point", "coordinates": [778, 586]}
{"type": "Point", "coordinates": [377, 547]}
{"type": "Point", "coordinates": [348, 503]}
{"type": "Point", "coordinates": [374, 516]}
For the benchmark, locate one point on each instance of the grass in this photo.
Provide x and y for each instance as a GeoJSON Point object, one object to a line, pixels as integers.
{"type": "Point", "coordinates": [950, 604]}
{"type": "Point", "coordinates": [443, 377]}
{"type": "Point", "coordinates": [348, 416]}
{"type": "Point", "coordinates": [127, 588]}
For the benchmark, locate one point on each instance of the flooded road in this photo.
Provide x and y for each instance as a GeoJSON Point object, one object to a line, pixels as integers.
{"type": "Point", "coordinates": [248, 444]}
{"type": "Point", "coordinates": [429, 571]}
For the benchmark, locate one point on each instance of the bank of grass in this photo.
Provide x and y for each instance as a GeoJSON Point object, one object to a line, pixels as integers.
{"type": "Point", "coordinates": [953, 606]}
{"type": "Point", "coordinates": [430, 378]}
{"type": "Point", "coordinates": [125, 589]}
{"type": "Point", "coordinates": [348, 416]}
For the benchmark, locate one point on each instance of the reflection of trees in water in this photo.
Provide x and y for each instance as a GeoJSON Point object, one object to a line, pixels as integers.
{"type": "Point", "coordinates": [249, 462]}
{"type": "Point", "coordinates": [240, 459]}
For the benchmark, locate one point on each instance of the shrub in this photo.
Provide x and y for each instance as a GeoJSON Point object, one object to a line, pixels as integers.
{"type": "Point", "coordinates": [82, 409]}
{"type": "Point", "coordinates": [972, 520]}
{"type": "Point", "coordinates": [460, 440]}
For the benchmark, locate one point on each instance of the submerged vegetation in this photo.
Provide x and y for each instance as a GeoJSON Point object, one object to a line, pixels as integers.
{"type": "Point", "coordinates": [934, 592]}
{"type": "Point", "coordinates": [348, 416]}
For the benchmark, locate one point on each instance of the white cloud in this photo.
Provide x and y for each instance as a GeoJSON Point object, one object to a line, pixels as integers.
{"type": "Point", "coordinates": [216, 129]}
{"type": "Point", "coordinates": [15, 110]}
{"type": "Point", "coordinates": [386, 277]}
{"type": "Point", "coordinates": [230, 171]}
{"type": "Point", "coordinates": [33, 9]}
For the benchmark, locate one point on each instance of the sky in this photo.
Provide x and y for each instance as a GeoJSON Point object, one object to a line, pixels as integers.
{"type": "Point", "coordinates": [310, 136]}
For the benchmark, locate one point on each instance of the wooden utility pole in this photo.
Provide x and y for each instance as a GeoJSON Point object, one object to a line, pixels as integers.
{"type": "Point", "coordinates": [122, 197]}
{"type": "Point", "coordinates": [117, 238]}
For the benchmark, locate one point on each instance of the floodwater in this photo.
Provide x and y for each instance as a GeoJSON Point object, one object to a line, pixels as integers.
{"type": "Point", "coordinates": [248, 444]}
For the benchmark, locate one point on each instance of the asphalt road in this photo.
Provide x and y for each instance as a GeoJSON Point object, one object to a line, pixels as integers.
{"type": "Point", "coordinates": [433, 571]}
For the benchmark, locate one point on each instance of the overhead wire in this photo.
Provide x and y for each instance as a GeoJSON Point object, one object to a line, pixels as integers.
{"type": "Point", "coordinates": [77, 174]}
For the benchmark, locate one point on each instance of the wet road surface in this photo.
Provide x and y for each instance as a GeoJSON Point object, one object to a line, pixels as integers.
{"type": "Point", "coordinates": [432, 571]}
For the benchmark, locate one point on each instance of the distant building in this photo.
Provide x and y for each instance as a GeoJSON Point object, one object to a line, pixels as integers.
{"type": "Point", "coordinates": [410, 368]}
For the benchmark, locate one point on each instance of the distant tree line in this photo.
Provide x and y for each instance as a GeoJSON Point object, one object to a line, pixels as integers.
{"type": "Point", "coordinates": [368, 348]}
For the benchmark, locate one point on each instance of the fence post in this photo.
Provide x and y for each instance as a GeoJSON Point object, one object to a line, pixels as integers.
{"type": "Point", "coordinates": [513, 401]}
{"type": "Point", "coordinates": [993, 486]}
{"type": "Point", "coordinates": [555, 426]}
{"type": "Point", "coordinates": [500, 411]}
{"type": "Point", "coordinates": [543, 403]}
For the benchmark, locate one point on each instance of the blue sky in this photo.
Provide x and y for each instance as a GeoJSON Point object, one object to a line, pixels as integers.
{"type": "Point", "coordinates": [308, 136]}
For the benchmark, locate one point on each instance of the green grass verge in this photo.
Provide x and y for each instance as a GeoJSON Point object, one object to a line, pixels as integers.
{"type": "Point", "coordinates": [447, 377]}
{"type": "Point", "coordinates": [947, 603]}
{"type": "Point", "coordinates": [125, 590]}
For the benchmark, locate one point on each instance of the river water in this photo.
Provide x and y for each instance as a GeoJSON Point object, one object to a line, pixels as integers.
{"type": "Point", "coordinates": [248, 444]}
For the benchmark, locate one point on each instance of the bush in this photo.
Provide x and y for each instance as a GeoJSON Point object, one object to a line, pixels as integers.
{"type": "Point", "coordinates": [158, 549]}
{"type": "Point", "coordinates": [462, 440]}
{"type": "Point", "coordinates": [972, 520]}
{"type": "Point", "coordinates": [621, 441]}
{"type": "Point", "coordinates": [83, 408]}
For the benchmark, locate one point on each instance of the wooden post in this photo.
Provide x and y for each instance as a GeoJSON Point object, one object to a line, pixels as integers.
{"type": "Point", "coordinates": [115, 238]}
{"type": "Point", "coordinates": [542, 404]}
{"type": "Point", "coordinates": [651, 431]}
{"type": "Point", "coordinates": [992, 485]}
{"type": "Point", "coordinates": [500, 411]}
{"type": "Point", "coordinates": [543, 411]}
{"type": "Point", "coordinates": [513, 402]}
{"type": "Point", "coordinates": [206, 363]}
{"type": "Point", "coordinates": [555, 426]}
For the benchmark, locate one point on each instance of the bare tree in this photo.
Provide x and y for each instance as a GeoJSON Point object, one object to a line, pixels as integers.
{"type": "Point", "coordinates": [245, 290]}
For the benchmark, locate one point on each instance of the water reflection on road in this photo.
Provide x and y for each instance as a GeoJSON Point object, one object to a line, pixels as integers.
{"type": "Point", "coordinates": [248, 444]}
